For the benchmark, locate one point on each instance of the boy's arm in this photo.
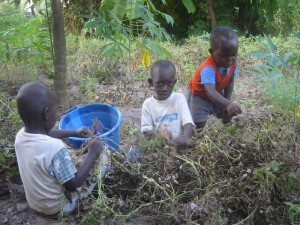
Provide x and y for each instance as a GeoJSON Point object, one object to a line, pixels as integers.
{"type": "Point", "coordinates": [146, 120]}
{"type": "Point", "coordinates": [94, 150]}
{"type": "Point", "coordinates": [228, 90]}
{"type": "Point", "coordinates": [215, 96]}
{"type": "Point", "coordinates": [187, 120]}
{"type": "Point", "coordinates": [59, 134]}
{"type": "Point", "coordinates": [231, 107]}
{"type": "Point", "coordinates": [184, 140]}
{"type": "Point", "coordinates": [187, 131]}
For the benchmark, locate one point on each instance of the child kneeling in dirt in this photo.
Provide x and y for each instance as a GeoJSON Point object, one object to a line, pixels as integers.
{"type": "Point", "coordinates": [44, 162]}
{"type": "Point", "coordinates": [212, 85]}
{"type": "Point", "coordinates": [166, 111]}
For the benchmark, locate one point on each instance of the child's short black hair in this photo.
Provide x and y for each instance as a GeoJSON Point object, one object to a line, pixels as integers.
{"type": "Point", "coordinates": [162, 64]}
{"type": "Point", "coordinates": [32, 99]}
{"type": "Point", "coordinates": [221, 32]}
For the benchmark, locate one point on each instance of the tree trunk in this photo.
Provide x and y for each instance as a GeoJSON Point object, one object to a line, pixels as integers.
{"type": "Point", "coordinates": [60, 55]}
{"type": "Point", "coordinates": [211, 13]}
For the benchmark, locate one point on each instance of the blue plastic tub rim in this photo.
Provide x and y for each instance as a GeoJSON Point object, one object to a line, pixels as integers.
{"type": "Point", "coordinates": [102, 135]}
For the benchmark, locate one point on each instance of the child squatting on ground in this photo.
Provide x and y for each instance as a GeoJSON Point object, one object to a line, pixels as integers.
{"type": "Point", "coordinates": [212, 85]}
{"type": "Point", "coordinates": [166, 111]}
{"type": "Point", "coordinates": [44, 162]}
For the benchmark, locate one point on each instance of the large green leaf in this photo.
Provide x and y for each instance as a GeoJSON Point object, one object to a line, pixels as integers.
{"type": "Point", "coordinates": [275, 74]}
{"type": "Point", "coordinates": [107, 5]}
{"type": "Point", "coordinates": [190, 6]}
{"type": "Point", "coordinates": [294, 81]}
{"type": "Point", "coordinates": [151, 6]}
{"type": "Point", "coordinates": [270, 45]}
{"type": "Point", "coordinates": [158, 50]}
{"type": "Point", "coordinates": [132, 11]}
{"type": "Point", "coordinates": [260, 54]}
{"type": "Point", "coordinates": [168, 18]}
{"type": "Point", "coordinates": [91, 24]}
{"type": "Point", "coordinates": [119, 8]}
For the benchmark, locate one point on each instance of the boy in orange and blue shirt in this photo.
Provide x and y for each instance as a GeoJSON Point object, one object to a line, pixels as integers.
{"type": "Point", "coordinates": [212, 85]}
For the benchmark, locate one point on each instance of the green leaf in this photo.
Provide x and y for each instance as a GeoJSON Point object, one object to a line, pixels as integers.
{"type": "Point", "coordinates": [189, 5]}
{"type": "Point", "coordinates": [259, 54]}
{"type": "Point", "coordinates": [132, 10]}
{"type": "Point", "coordinates": [155, 48]}
{"type": "Point", "coordinates": [119, 8]}
{"type": "Point", "coordinates": [145, 14]}
{"type": "Point", "coordinates": [7, 52]}
{"type": "Point", "coordinates": [168, 18]}
{"type": "Point", "coordinates": [89, 16]}
{"type": "Point", "coordinates": [257, 71]}
{"type": "Point", "coordinates": [106, 5]}
{"type": "Point", "coordinates": [154, 31]}
{"type": "Point", "coordinates": [151, 6]}
{"type": "Point", "coordinates": [273, 166]}
{"type": "Point", "coordinates": [287, 55]}
{"type": "Point", "coordinates": [99, 30]}
{"type": "Point", "coordinates": [275, 74]}
{"type": "Point", "coordinates": [257, 39]}
{"type": "Point", "coordinates": [272, 48]}
{"type": "Point", "coordinates": [91, 24]}
{"type": "Point", "coordinates": [294, 81]}
{"type": "Point", "coordinates": [165, 34]}
{"type": "Point", "coordinates": [2, 159]}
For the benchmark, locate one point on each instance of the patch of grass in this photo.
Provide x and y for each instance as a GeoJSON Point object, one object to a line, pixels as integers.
{"type": "Point", "coordinates": [10, 124]}
{"type": "Point", "coordinates": [293, 212]}
{"type": "Point", "coordinates": [282, 92]}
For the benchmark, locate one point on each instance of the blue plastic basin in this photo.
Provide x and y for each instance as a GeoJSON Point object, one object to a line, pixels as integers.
{"type": "Point", "coordinates": [110, 119]}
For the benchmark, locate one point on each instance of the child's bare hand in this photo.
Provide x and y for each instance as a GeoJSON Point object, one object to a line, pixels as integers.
{"type": "Point", "coordinates": [179, 141]}
{"type": "Point", "coordinates": [164, 134]}
{"type": "Point", "coordinates": [83, 132]}
{"type": "Point", "coordinates": [182, 142]}
{"type": "Point", "coordinates": [95, 146]}
{"type": "Point", "coordinates": [233, 109]}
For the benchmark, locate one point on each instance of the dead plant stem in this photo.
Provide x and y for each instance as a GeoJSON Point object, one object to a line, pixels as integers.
{"type": "Point", "coordinates": [250, 215]}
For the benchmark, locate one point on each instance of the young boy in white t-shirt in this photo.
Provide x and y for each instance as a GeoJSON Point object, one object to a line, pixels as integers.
{"type": "Point", "coordinates": [44, 162]}
{"type": "Point", "coordinates": [166, 111]}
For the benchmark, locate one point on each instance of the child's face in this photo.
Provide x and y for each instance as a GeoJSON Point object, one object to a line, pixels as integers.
{"type": "Point", "coordinates": [226, 53]}
{"type": "Point", "coordinates": [162, 83]}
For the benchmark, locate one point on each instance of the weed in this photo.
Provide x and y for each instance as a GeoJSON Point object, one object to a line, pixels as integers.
{"type": "Point", "coordinates": [88, 87]}
{"type": "Point", "coordinates": [293, 212]}
{"type": "Point", "coordinates": [277, 67]}
{"type": "Point", "coordinates": [23, 40]}
{"type": "Point", "coordinates": [10, 124]}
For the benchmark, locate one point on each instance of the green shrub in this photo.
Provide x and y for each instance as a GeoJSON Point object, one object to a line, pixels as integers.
{"type": "Point", "coordinates": [23, 39]}
{"type": "Point", "coordinates": [281, 71]}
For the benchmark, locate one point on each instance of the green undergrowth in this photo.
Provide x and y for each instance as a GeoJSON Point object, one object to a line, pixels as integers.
{"type": "Point", "coordinates": [282, 93]}
{"type": "Point", "coordinates": [85, 58]}
{"type": "Point", "coordinates": [10, 123]}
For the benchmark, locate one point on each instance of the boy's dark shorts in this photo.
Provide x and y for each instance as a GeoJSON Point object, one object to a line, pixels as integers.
{"type": "Point", "coordinates": [200, 108]}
